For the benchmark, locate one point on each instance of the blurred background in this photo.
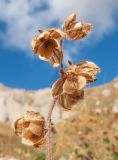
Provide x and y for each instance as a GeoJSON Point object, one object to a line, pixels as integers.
{"type": "Point", "coordinates": [25, 80]}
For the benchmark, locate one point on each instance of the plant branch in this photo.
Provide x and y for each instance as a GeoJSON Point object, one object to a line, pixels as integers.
{"type": "Point", "coordinates": [61, 43]}
{"type": "Point", "coordinates": [49, 123]}
{"type": "Point", "coordinates": [49, 127]}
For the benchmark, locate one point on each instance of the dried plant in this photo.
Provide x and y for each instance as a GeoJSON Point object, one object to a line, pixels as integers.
{"type": "Point", "coordinates": [67, 90]}
{"type": "Point", "coordinates": [31, 128]}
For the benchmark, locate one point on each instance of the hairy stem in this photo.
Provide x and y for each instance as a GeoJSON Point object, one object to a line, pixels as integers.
{"type": "Point", "coordinates": [49, 124]}
{"type": "Point", "coordinates": [61, 43]}
{"type": "Point", "coordinates": [49, 132]}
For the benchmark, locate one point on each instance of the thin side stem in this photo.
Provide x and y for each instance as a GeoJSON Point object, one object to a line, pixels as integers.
{"type": "Point", "coordinates": [61, 43]}
{"type": "Point", "coordinates": [49, 132]}
{"type": "Point", "coordinates": [49, 124]}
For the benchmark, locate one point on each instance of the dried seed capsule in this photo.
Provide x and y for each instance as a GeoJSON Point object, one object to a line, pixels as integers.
{"type": "Point", "coordinates": [70, 21]}
{"type": "Point", "coordinates": [57, 87]}
{"type": "Point", "coordinates": [79, 31]}
{"type": "Point", "coordinates": [56, 33]}
{"type": "Point", "coordinates": [47, 46]}
{"type": "Point", "coordinates": [75, 78]}
{"type": "Point", "coordinates": [76, 30]}
{"type": "Point", "coordinates": [31, 128]}
{"type": "Point", "coordinates": [57, 58]}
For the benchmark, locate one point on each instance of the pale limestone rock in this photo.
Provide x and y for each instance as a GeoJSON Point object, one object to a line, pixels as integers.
{"type": "Point", "coordinates": [14, 102]}
{"type": "Point", "coordinates": [106, 92]}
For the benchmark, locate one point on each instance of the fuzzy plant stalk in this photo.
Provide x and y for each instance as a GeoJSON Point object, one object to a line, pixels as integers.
{"type": "Point", "coordinates": [67, 90]}
{"type": "Point", "coordinates": [49, 132]}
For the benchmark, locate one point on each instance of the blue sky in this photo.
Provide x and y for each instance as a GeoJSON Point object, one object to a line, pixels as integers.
{"type": "Point", "coordinates": [20, 68]}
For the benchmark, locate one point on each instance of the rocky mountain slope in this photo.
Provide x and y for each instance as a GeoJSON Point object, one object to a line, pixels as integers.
{"type": "Point", "coordinates": [88, 132]}
{"type": "Point", "coordinates": [14, 102]}
{"type": "Point", "coordinates": [91, 133]}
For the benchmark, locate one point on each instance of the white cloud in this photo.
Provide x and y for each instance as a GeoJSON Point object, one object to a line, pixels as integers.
{"type": "Point", "coordinates": [23, 17]}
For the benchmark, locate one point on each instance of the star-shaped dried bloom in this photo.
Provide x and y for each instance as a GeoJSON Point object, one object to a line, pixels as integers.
{"type": "Point", "coordinates": [69, 88]}
{"type": "Point", "coordinates": [47, 46]}
{"type": "Point", "coordinates": [76, 30]}
{"type": "Point", "coordinates": [31, 128]}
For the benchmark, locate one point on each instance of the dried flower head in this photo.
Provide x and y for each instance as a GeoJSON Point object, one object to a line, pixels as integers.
{"type": "Point", "coordinates": [68, 89]}
{"type": "Point", "coordinates": [70, 86]}
{"type": "Point", "coordinates": [47, 46]}
{"type": "Point", "coordinates": [31, 128]}
{"type": "Point", "coordinates": [76, 30]}
{"type": "Point", "coordinates": [69, 83]}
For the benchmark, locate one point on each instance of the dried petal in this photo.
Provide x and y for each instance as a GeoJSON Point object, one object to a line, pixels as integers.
{"type": "Point", "coordinates": [81, 82]}
{"type": "Point", "coordinates": [57, 87]}
{"type": "Point", "coordinates": [38, 40]}
{"type": "Point", "coordinates": [70, 21]}
{"type": "Point", "coordinates": [73, 83]}
{"type": "Point", "coordinates": [56, 33]}
{"type": "Point", "coordinates": [57, 58]}
{"type": "Point", "coordinates": [18, 125]}
{"type": "Point", "coordinates": [35, 128]}
{"type": "Point", "coordinates": [67, 101]}
{"type": "Point", "coordinates": [89, 77]}
{"type": "Point", "coordinates": [46, 49]}
{"type": "Point", "coordinates": [88, 70]}
{"type": "Point", "coordinates": [79, 31]}
{"type": "Point", "coordinates": [29, 138]}
{"type": "Point", "coordinates": [40, 143]}
{"type": "Point", "coordinates": [33, 117]}
{"type": "Point", "coordinates": [89, 66]}
{"type": "Point", "coordinates": [44, 36]}
{"type": "Point", "coordinates": [31, 128]}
